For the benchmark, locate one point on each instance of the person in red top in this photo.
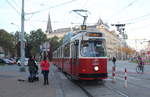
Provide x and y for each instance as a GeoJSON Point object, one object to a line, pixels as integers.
{"type": "Point", "coordinates": [45, 69]}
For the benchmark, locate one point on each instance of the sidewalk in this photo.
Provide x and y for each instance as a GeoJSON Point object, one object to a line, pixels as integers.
{"type": "Point", "coordinates": [11, 87]}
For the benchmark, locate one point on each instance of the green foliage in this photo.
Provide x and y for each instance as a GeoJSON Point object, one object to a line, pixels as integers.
{"type": "Point", "coordinates": [33, 40]}
{"type": "Point", "coordinates": [36, 38]}
{"type": "Point", "coordinates": [7, 42]}
{"type": "Point", "coordinates": [55, 42]}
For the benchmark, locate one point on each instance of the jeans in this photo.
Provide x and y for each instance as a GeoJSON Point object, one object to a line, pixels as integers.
{"type": "Point", "coordinates": [45, 74]}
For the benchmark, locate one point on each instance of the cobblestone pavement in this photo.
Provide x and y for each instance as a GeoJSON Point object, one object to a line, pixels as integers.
{"type": "Point", "coordinates": [14, 84]}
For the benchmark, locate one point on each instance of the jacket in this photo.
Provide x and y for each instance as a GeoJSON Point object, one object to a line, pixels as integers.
{"type": "Point", "coordinates": [31, 65]}
{"type": "Point", "coordinates": [44, 65]}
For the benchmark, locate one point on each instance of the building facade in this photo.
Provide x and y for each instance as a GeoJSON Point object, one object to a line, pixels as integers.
{"type": "Point", "coordinates": [2, 54]}
{"type": "Point", "coordinates": [114, 42]}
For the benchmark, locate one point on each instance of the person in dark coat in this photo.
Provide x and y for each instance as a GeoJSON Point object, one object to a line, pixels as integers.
{"type": "Point", "coordinates": [114, 61]}
{"type": "Point", "coordinates": [32, 68]}
{"type": "Point", "coordinates": [141, 63]}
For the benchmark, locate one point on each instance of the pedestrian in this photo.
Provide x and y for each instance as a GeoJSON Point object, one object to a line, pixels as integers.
{"type": "Point", "coordinates": [31, 68]}
{"type": "Point", "coordinates": [114, 61]}
{"type": "Point", "coordinates": [45, 69]}
{"type": "Point", "coordinates": [141, 63]}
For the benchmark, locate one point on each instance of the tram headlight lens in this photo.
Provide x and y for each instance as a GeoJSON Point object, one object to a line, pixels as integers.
{"type": "Point", "coordinates": [96, 68]}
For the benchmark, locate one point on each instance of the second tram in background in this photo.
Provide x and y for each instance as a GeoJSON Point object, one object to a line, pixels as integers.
{"type": "Point", "coordinates": [83, 55]}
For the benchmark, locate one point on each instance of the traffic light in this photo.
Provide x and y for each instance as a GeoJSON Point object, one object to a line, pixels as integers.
{"type": "Point", "coordinates": [18, 48]}
{"type": "Point", "coordinates": [27, 50]}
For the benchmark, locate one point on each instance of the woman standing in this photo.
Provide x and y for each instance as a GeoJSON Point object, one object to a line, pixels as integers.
{"type": "Point", "coordinates": [45, 69]}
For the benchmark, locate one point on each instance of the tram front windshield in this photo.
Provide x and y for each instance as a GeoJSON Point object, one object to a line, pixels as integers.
{"type": "Point", "coordinates": [93, 48]}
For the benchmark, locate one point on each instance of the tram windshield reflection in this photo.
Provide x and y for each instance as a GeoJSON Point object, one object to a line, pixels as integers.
{"type": "Point", "coordinates": [93, 48]}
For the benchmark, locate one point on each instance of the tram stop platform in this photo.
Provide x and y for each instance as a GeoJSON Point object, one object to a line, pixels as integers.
{"type": "Point", "coordinates": [14, 83]}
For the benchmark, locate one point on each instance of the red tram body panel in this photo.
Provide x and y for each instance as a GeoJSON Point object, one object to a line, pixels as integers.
{"type": "Point", "coordinates": [86, 69]}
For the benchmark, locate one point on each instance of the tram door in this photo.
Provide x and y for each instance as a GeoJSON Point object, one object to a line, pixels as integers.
{"type": "Point", "coordinates": [74, 58]}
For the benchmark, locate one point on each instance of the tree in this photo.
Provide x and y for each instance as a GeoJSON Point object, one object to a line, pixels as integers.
{"type": "Point", "coordinates": [17, 42]}
{"type": "Point", "coordinates": [36, 38]}
{"type": "Point", "coordinates": [55, 42]}
{"type": "Point", "coordinates": [7, 42]}
{"type": "Point", "coordinates": [128, 51]}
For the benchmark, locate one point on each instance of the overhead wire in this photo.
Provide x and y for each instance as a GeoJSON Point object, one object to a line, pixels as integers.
{"type": "Point", "coordinates": [141, 27]}
{"type": "Point", "coordinates": [64, 3]}
{"type": "Point", "coordinates": [32, 13]}
{"type": "Point", "coordinates": [10, 4]}
{"type": "Point", "coordinates": [128, 5]}
{"type": "Point", "coordinates": [28, 19]}
{"type": "Point", "coordinates": [14, 1]}
{"type": "Point", "coordinates": [129, 21]}
{"type": "Point", "coordinates": [136, 19]}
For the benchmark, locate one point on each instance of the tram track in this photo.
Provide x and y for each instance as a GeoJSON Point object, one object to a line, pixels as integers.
{"type": "Point", "coordinates": [88, 89]}
{"type": "Point", "coordinates": [121, 77]}
{"type": "Point", "coordinates": [117, 91]}
{"type": "Point", "coordinates": [84, 90]}
{"type": "Point", "coordinates": [89, 94]}
{"type": "Point", "coordinates": [137, 85]}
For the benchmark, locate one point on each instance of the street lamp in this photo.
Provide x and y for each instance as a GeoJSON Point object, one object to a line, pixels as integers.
{"type": "Point", "coordinates": [16, 25]}
{"type": "Point", "coordinates": [18, 29]}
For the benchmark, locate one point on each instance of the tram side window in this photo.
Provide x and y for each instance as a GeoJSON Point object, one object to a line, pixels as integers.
{"type": "Point", "coordinates": [67, 50]}
{"type": "Point", "coordinates": [73, 51]}
{"type": "Point", "coordinates": [59, 53]}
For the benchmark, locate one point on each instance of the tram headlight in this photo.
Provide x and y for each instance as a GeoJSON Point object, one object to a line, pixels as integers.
{"type": "Point", "coordinates": [96, 68]}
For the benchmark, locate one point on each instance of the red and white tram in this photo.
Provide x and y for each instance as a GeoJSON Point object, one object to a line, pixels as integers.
{"type": "Point", "coordinates": [83, 55]}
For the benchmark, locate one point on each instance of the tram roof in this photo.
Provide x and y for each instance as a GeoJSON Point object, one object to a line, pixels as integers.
{"type": "Point", "coordinates": [70, 36]}
{"type": "Point", "coordinates": [88, 30]}
{"type": "Point", "coordinates": [80, 34]}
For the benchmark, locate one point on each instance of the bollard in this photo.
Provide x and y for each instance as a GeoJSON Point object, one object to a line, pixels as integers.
{"type": "Point", "coordinates": [125, 78]}
{"type": "Point", "coordinates": [113, 74]}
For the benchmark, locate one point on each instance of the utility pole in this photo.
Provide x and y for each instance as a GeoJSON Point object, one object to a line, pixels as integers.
{"type": "Point", "coordinates": [121, 30]}
{"type": "Point", "coordinates": [22, 48]}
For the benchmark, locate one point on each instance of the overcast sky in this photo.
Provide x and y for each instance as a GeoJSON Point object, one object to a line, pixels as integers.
{"type": "Point", "coordinates": [135, 13]}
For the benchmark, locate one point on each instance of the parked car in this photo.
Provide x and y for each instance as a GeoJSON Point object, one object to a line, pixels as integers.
{"type": "Point", "coordinates": [2, 61]}
{"type": "Point", "coordinates": [25, 62]}
{"type": "Point", "coordinates": [6, 61]}
{"type": "Point", "coordinates": [13, 60]}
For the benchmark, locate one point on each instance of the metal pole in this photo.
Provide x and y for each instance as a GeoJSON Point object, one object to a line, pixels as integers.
{"type": "Point", "coordinates": [121, 51]}
{"type": "Point", "coordinates": [22, 50]}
